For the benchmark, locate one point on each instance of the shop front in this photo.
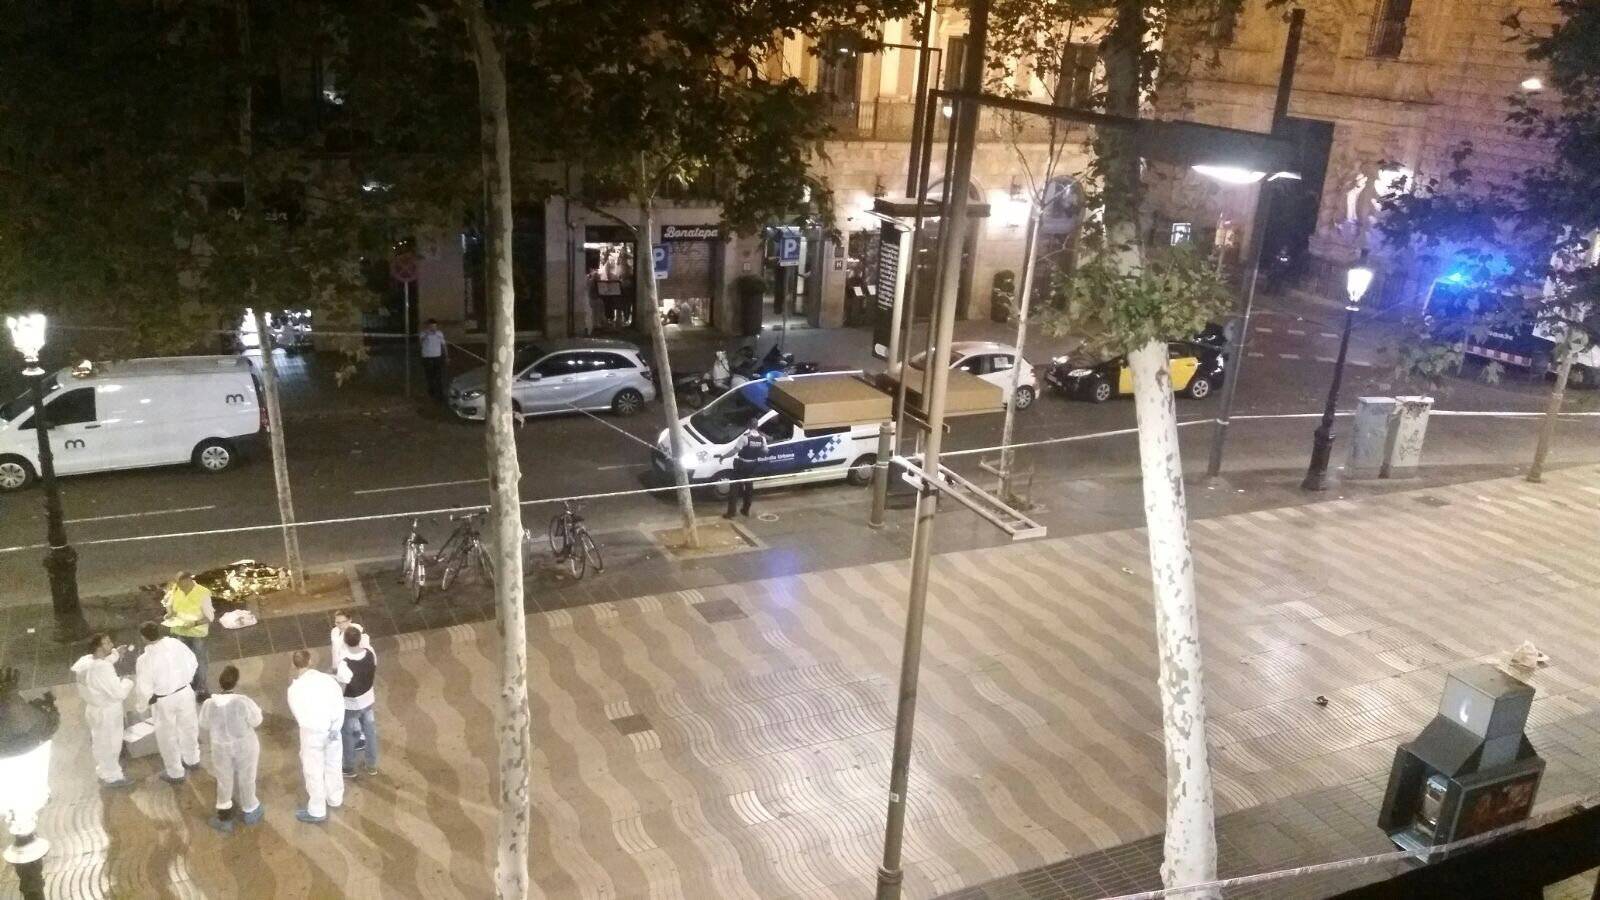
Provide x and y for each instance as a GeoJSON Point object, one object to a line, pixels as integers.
{"type": "Point", "coordinates": [689, 274]}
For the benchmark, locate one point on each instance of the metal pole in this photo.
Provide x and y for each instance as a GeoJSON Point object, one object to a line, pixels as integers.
{"type": "Point", "coordinates": [900, 324]}
{"type": "Point", "coordinates": [406, 327]}
{"type": "Point", "coordinates": [60, 561]}
{"type": "Point", "coordinates": [1322, 442]}
{"type": "Point", "coordinates": [919, 108]}
{"type": "Point", "coordinates": [890, 875]}
{"type": "Point", "coordinates": [26, 855]}
{"type": "Point", "coordinates": [1233, 351]}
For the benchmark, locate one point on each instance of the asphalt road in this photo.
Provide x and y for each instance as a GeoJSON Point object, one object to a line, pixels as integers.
{"type": "Point", "coordinates": [363, 451]}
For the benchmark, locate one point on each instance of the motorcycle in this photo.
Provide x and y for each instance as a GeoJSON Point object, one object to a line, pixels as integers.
{"type": "Point", "coordinates": [775, 364]}
{"type": "Point", "coordinates": [695, 391]}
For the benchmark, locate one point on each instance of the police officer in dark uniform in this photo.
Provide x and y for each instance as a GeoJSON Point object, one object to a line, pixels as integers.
{"type": "Point", "coordinates": [747, 452]}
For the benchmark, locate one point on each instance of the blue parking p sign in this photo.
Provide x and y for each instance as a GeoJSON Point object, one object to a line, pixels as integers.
{"type": "Point", "coordinates": [789, 249]}
{"type": "Point", "coordinates": [658, 253]}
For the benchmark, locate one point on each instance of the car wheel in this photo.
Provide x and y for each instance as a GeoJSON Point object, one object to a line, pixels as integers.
{"type": "Point", "coordinates": [15, 473]}
{"type": "Point", "coordinates": [1100, 390]}
{"type": "Point", "coordinates": [627, 402]}
{"type": "Point", "coordinates": [213, 455]}
{"type": "Point", "coordinates": [1199, 388]}
{"type": "Point", "coordinates": [1023, 398]}
{"type": "Point", "coordinates": [721, 486]}
{"type": "Point", "coordinates": [860, 473]}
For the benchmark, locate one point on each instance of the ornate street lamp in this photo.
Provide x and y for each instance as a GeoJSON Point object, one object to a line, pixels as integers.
{"type": "Point", "coordinates": [1356, 282]}
{"type": "Point", "coordinates": [61, 561]}
{"type": "Point", "coordinates": [26, 729]}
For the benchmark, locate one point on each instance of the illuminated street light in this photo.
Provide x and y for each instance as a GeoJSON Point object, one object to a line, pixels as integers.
{"type": "Point", "coordinates": [26, 729]}
{"type": "Point", "coordinates": [1356, 282]}
{"type": "Point", "coordinates": [60, 561]}
{"type": "Point", "coordinates": [1533, 83]}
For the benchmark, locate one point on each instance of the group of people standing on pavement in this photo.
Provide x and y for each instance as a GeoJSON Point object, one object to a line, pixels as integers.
{"type": "Point", "coordinates": [335, 710]}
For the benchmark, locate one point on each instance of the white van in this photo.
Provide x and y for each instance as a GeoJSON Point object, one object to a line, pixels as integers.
{"type": "Point", "coordinates": [199, 410]}
{"type": "Point", "coordinates": [826, 454]}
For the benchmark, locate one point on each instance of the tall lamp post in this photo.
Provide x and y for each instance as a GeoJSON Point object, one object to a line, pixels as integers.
{"type": "Point", "coordinates": [60, 561]}
{"type": "Point", "coordinates": [1357, 280]}
{"type": "Point", "coordinates": [26, 729]}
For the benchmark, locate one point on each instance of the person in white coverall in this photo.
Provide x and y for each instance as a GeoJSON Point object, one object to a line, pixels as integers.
{"type": "Point", "coordinates": [163, 679]}
{"type": "Point", "coordinates": [317, 702]}
{"type": "Point", "coordinates": [230, 721]}
{"type": "Point", "coordinates": [104, 693]}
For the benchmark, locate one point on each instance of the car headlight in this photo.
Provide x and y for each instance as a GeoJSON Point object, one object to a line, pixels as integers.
{"type": "Point", "coordinates": [1080, 373]}
{"type": "Point", "coordinates": [471, 395]}
{"type": "Point", "coordinates": [690, 459]}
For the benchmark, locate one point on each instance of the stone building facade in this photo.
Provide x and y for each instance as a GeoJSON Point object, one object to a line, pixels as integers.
{"type": "Point", "coordinates": [1384, 92]}
{"type": "Point", "coordinates": [870, 94]}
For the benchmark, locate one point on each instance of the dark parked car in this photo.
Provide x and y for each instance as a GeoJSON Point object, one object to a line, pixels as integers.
{"type": "Point", "coordinates": [1196, 369]}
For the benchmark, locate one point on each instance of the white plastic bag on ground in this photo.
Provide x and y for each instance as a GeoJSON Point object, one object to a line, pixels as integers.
{"type": "Point", "coordinates": [1528, 656]}
{"type": "Point", "coordinates": [239, 618]}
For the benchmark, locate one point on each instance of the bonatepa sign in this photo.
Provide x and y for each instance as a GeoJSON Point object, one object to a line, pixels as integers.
{"type": "Point", "coordinates": [690, 232]}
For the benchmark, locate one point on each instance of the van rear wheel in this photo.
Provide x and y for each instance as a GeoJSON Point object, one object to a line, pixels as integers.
{"type": "Point", "coordinates": [15, 473]}
{"type": "Point", "coordinates": [860, 473]}
{"type": "Point", "coordinates": [213, 455]}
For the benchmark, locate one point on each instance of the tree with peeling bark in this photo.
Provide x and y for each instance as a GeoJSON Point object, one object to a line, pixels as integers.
{"type": "Point", "coordinates": [1051, 48]}
{"type": "Point", "coordinates": [512, 720]}
{"type": "Point", "coordinates": [679, 99]}
{"type": "Point", "coordinates": [1126, 298]}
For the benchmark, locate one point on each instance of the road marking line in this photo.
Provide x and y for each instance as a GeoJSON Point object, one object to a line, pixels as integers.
{"type": "Point", "coordinates": [135, 515]}
{"type": "Point", "coordinates": [1362, 363]}
{"type": "Point", "coordinates": [1326, 359]}
{"type": "Point", "coordinates": [1260, 330]}
{"type": "Point", "coordinates": [1297, 332]}
{"type": "Point", "coordinates": [1258, 355]}
{"type": "Point", "coordinates": [1326, 334]}
{"type": "Point", "coordinates": [1288, 356]}
{"type": "Point", "coordinates": [622, 466]}
{"type": "Point", "coordinates": [418, 487]}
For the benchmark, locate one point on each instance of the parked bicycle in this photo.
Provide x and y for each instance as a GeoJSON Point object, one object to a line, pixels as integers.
{"type": "Point", "coordinates": [571, 543]}
{"type": "Point", "coordinates": [463, 548]}
{"type": "Point", "coordinates": [414, 563]}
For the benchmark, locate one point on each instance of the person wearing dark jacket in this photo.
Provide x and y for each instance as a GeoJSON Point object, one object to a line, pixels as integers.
{"type": "Point", "coordinates": [358, 671]}
{"type": "Point", "coordinates": [747, 452]}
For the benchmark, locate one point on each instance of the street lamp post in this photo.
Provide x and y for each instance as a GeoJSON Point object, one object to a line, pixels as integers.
{"type": "Point", "coordinates": [1357, 280]}
{"type": "Point", "coordinates": [60, 561]}
{"type": "Point", "coordinates": [26, 729]}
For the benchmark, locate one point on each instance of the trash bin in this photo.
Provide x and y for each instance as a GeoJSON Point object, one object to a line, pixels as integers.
{"type": "Point", "coordinates": [1369, 436]}
{"type": "Point", "coordinates": [1471, 770]}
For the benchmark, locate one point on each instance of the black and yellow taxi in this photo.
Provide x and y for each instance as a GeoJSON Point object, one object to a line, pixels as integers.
{"type": "Point", "coordinates": [1196, 371]}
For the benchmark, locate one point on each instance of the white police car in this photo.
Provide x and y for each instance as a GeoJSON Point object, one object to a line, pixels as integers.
{"type": "Point", "coordinates": [825, 454]}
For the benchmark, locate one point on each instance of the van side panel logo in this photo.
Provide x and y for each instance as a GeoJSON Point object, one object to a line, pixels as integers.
{"type": "Point", "coordinates": [73, 444]}
{"type": "Point", "coordinates": [233, 398]}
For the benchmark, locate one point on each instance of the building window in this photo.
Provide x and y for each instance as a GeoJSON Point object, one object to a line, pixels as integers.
{"type": "Point", "coordinates": [955, 58]}
{"type": "Point", "coordinates": [1078, 75]}
{"type": "Point", "coordinates": [1389, 29]}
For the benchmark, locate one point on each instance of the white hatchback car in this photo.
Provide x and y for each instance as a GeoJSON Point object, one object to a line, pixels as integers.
{"type": "Point", "coordinates": [563, 376]}
{"type": "Point", "coordinates": [992, 362]}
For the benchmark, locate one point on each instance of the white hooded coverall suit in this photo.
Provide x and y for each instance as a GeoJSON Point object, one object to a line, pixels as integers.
{"type": "Point", "coordinates": [230, 721]}
{"type": "Point", "coordinates": [317, 702]}
{"type": "Point", "coordinates": [162, 678]}
{"type": "Point", "coordinates": [103, 694]}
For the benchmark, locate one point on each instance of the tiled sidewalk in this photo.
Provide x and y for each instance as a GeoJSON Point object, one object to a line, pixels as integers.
{"type": "Point", "coordinates": [732, 741]}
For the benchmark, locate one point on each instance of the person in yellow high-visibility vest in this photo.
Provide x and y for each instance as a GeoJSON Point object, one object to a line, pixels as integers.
{"type": "Point", "coordinates": [189, 618]}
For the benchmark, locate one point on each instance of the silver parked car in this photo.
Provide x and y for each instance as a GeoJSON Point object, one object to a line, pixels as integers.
{"type": "Point", "coordinates": [562, 376]}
